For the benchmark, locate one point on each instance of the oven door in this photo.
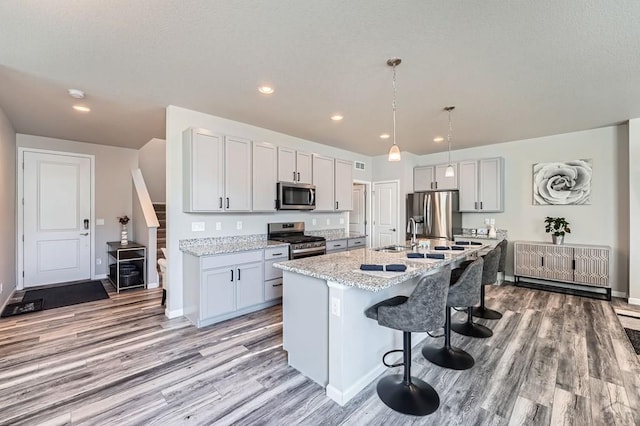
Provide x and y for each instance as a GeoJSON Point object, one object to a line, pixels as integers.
{"type": "Point", "coordinates": [292, 196]}
{"type": "Point", "coordinates": [307, 252]}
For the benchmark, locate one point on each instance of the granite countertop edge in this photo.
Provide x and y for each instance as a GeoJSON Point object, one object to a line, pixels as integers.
{"type": "Point", "coordinates": [230, 247]}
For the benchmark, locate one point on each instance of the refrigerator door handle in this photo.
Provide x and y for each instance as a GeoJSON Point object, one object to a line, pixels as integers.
{"type": "Point", "coordinates": [428, 224]}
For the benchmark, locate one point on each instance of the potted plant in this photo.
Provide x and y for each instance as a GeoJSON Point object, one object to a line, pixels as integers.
{"type": "Point", "coordinates": [558, 226]}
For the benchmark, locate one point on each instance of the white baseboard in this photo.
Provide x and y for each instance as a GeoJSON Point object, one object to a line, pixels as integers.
{"type": "Point", "coordinates": [342, 397]}
{"type": "Point", "coordinates": [173, 314]}
{"type": "Point", "coordinates": [99, 277]}
{"type": "Point", "coordinates": [633, 301]}
{"type": "Point", "coordinates": [153, 285]}
{"type": "Point", "coordinates": [621, 294]}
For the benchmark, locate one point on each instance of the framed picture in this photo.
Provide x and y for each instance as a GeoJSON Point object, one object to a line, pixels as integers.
{"type": "Point", "coordinates": [562, 183]}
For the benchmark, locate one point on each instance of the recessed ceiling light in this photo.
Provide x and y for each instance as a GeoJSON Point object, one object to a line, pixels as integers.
{"type": "Point", "coordinates": [81, 108]}
{"type": "Point", "coordinates": [438, 139]}
{"type": "Point", "coordinates": [385, 136]}
{"type": "Point", "coordinates": [265, 90]}
{"type": "Point", "coordinates": [337, 117]}
{"type": "Point", "coordinates": [76, 93]}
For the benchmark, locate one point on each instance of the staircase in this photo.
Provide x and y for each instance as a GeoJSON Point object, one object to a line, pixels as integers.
{"type": "Point", "coordinates": [160, 209]}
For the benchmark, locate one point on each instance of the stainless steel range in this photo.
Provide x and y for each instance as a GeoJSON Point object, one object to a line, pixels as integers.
{"type": "Point", "coordinates": [300, 245]}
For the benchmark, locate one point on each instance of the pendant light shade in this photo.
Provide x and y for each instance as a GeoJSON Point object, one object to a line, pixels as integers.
{"type": "Point", "coordinates": [449, 172]}
{"type": "Point", "coordinates": [394, 151]}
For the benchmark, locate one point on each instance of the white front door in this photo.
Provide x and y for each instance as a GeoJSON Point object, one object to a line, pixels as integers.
{"type": "Point", "coordinates": [357, 215]}
{"type": "Point", "coordinates": [57, 210]}
{"type": "Point", "coordinates": [385, 213]}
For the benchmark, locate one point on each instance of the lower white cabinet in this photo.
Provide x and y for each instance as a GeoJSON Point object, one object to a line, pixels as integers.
{"type": "Point", "coordinates": [569, 263]}
{"type": "Point", "coordinates": [356, 243]}
{"type": "Point", "coordinates": [273, 276]}
{"type": "Point", "coordinates": [219, 287]}
{"type": "Point", "coordinates": [336, 246]}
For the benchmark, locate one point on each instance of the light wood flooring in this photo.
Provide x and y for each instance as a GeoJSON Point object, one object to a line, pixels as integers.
{"type": "Point", "coordinates": [554, 359]}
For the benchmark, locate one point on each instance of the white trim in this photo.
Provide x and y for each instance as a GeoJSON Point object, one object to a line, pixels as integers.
{"type": "Point", "coordinates": [633, 301]}
{"type": "Point", "coordinates": [621, 294]}
{"type": "Point", "coordinates": [101, 277]}
{"type": "Point", "coordinates": [343, 397]}
{"type": "Point", "coordinates": [173, 314]}
{"type": "Point", "coordinates": [20, 210]}
{"type": "Point", "coordinates": [153, 285]}
{"type": "Point", "coordinates": [397, 182]}
{"type": "Point", "coordinates": [368, 206]}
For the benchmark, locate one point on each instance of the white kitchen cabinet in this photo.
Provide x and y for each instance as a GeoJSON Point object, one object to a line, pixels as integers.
{"type": "Point", "coordinates": [203, 168]}
{"type": "Point", "coordinates": [336, 246]}
{"type": "Point", "coordinates": [323, 179]}
{"type": "Point", "coordinates": [429, 178]}
{"type": "Point", "coordinates": [273, 276]}
{"type": "Point", "coordinates": [294, 166]}
{"type": "Point", "coordinates": [481, 185]}
{"type": "Point", "coordinates": [237, 176]}
{"type": "Point", "coordinates": [570, 263]}
{"type": "Point", "coordinates": [343, 185]}
{"type": "Point", "coordinates": [265, 176]}
{"type": "Point", "coordinates": [356, 243]}
{"type": "Point", "coordinates": [219, 287]}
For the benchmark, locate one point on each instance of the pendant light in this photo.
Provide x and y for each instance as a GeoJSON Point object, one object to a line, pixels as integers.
{"type": "Point", "coordinates": [394, 151]}
{"type": "Point", "coordinates": [449, 172]}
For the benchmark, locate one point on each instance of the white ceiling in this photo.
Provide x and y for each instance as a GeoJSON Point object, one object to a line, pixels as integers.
{"type": "Point", "coordinates": [513, 69]}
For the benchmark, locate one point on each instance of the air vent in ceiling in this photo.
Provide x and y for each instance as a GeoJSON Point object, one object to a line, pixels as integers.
{"type": "Point", "coordinates": [359, 165]}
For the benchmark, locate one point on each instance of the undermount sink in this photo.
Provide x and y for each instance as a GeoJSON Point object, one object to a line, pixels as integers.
{"type": "Point", "coordinates": [393, 249]}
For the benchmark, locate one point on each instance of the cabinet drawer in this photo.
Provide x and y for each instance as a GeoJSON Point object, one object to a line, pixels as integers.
{"type": "Point", "coordinates": [270, 272]}
{"type": "Point", "coordinates": [222, 260]}
{"type": "Point", "coordinates": [276, 253]}
{"type": "Point", "coordinates": [272, 289]}
{"type": "Point", "coordinates": [336, 245]}
{"type": "Point", "coordinates": [355, 243]}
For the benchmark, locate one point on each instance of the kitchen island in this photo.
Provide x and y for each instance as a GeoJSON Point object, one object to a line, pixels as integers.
{"type": "Point", "coordinates": [325, 332]}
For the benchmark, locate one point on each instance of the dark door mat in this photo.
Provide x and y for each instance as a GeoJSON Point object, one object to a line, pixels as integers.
{"type": "Point", "coordinates": [70, 294]}
{"type": "Point", "coordinates": [634, 337]}
{"type": "Point", "coordinates": [21, 308]}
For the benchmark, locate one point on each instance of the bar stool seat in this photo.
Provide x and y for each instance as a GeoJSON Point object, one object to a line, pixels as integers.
{"type": "Point", "coordinates": [420, 312]}
{"type": "Point", "coordinates": [482, 311]}
{"type": "Point", "coordinates": [464, 291]}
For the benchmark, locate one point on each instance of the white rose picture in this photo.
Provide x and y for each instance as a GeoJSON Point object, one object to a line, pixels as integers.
{"type": "Point", "coordinates": [562, 183]}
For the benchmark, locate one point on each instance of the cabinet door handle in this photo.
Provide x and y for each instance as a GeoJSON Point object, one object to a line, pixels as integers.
{"type": "Point", "coordinates": [276, 254]}
{"type": "Point", "coordinates": [475, 205]}
{"type": "Point", "coordinates": [294, 176]}
{"type": "Point", "coordinates": [336, 205]}
{"type": "Point", "coordinates": [542, 260]}
{"type": "Point", "coordinates": [298, 176]}
{"type": "Point", "coordinates": [220, 202]}
{"type": "Point", "coordinates": [227, 202]}
{"type": "Point", "coordinates": [573, 264]}
{"type": "Point", "coordinates": [276, 285]}
{"type": "Point", "coordinates": [436, 185]}
{"type": "Point", "coordinates": [232, 275]}
{"type": "Point", "coordinates": [238, 274]}
{"type": "Point", "coordinates": [480, 205]}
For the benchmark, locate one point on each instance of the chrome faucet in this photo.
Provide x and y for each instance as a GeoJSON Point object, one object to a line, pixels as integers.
{"type": "Point", "coordinates": [413, 226]}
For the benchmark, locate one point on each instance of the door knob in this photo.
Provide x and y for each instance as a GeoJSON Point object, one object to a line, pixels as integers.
{"type": "Point", "coordinates": [393, 230]}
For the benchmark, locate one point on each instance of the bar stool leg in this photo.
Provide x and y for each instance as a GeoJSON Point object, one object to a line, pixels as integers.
{"type": "Point", "coordinates": [406, 394]}
{"type": "Point", "coordinates": [482, 311]}
{"type": "Point", "coordinates": [448, 356]}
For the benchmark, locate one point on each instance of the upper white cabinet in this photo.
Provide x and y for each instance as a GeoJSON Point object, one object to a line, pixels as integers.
{"type": "Point", "coordinates": [203, 165]}
{"type": "Point", "coordinates": [323, 179]}
{"type": "Point", "coordinates": [429, 178]}
{"type": "Point", "coordinates": [481, 185]}
{"type": "Point", "coordinates": [217, 172]}
{"type": "Point", "coordinates": [265, 176]}
{"type": "Point", "coordinates": [343, 185]}
{"type": "Point", "coordinates": [237, 174]}
{"type": "Point", "coordinates": [294, 166]}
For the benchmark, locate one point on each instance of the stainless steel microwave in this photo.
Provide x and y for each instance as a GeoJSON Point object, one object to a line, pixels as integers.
{"type": "Point", "coordinates": [296, 196]}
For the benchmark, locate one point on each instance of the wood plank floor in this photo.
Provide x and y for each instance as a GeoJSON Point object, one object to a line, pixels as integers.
{"type": "Point", "coordinates": [553, 359]}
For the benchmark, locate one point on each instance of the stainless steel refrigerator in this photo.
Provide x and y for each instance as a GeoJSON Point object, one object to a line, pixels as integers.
{"type": "Point", "coordinates": [436, 214]}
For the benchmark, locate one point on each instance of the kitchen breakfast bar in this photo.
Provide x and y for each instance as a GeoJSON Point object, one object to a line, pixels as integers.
{"type": "Point", "coordinates": [325, 332]}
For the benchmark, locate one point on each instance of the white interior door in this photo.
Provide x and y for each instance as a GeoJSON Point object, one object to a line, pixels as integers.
{"type": "Point", "coordinates": [357, 216]}
{"type": "Point", "coordinates": [385, 213]}
{"type": "Point", "coordinates": [57, 210]}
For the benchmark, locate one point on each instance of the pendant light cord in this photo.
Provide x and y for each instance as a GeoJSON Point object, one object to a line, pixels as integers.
{"type": "Point", "coordinates": [394, 104]}
{"type": "Point", "coordinates": [449, 137]}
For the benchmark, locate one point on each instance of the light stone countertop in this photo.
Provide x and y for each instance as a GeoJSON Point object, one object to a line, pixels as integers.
{"type": "Point", "coordinates": [344, 267]}
{"type": "Point", "coordinates": [335, 234]}
{"type": "Point", "coordinates": [222, 245]}
{"type": "Point", "coordinates": [501, 234]}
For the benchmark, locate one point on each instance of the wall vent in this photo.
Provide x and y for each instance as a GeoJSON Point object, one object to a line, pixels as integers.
{"type": "Point", "coordinates": [359, 165]}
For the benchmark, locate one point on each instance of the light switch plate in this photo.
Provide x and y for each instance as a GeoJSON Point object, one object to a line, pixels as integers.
{"type": "Point", "coordinates": [342, 221]}
{"type": "Point", "coordinates": [98, 262]}
{"type": "Point", "coordinates": [328, 221]}
{"type": "Point", "coordinates": [197, 226]}
{"type": "Point", "coordinates": [239, 224]}
{"type": "Point", "coordinates": [335, 306]}
{"type": "Point", "coordinates": [99, 221]}
{"type": "Point", "coordinates": [314, 222]}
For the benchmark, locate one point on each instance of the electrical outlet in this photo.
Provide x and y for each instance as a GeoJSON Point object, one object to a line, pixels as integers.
{"type": "Point", "coordinates": [335, 306]}
{"type": "Point", "coordinates": [239, 225]}
{"type": "Point", "coordinates": [328, 221]}
{"type": "Point", "coordinates": [218, 226]}
{"type": "Point", "coordinates": [342, 221]}
{"type": "Point", "coordinates": [98, 261]}
{"type": "Point", "coordinates": [314, 222]}
{"type": "Point", "coordinates": [197, 226]}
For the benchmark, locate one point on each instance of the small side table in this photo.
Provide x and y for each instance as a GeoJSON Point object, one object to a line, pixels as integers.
{"type": "Point", "coordinates": [124, 262]}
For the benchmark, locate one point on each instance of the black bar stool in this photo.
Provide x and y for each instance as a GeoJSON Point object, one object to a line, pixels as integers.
{"type": "Point", "coordinates": [420, 312]}
{"type": "Point", "coordinates": [489, 273]}
{"type": "Point", "coordinates": [482, 311]}
{"type": "Point", "coordinates": [464, 291]}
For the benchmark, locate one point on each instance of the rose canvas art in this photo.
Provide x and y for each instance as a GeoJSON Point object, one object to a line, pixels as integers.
{"type": "Point", "coordinates": [562, 183]}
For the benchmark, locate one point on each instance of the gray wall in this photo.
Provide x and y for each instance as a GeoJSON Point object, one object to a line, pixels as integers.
{"type": "Point", "coordinates": [113, 185]}
{"type": "Point", "coordinates": [7, 208]}
{"type": "Point", "coordinates": [152, 160]}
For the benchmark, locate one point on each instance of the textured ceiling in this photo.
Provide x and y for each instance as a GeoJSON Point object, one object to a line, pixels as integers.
{"type": "Point", "coordinates": [513, 69]}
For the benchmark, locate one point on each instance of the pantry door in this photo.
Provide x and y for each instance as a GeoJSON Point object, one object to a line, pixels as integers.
{"type": "Point", "coordinates": [56, 215]}
{"type": "Point", "coordinates": [385, 214]}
